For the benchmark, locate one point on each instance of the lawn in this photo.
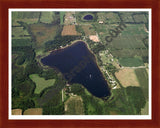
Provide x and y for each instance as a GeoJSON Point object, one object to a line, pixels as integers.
{"type": "Point", "coordinates": [41, 83]}
{"type": "Point", "coordinates": [131, 62]}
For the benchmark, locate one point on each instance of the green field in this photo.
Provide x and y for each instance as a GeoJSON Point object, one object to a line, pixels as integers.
{"type": "Point", "coordinates": [47, 17]}
{"type": "Point", "coordinates": [41, 83]}
{"type": "Point", "coordinates": [131, 62]}
{"type": "Point", "coordinates": [142, 76]}
{"type": "Point", "coordinates": [21, 42]}
{"type": "Point", "coordinates": [74, 106]}
{"type": "Point", "coordinates": [27, 17]}
{"type": "Point", "coordinates": [20, 33]}
{"type": "Point", "coordinates": [62, 14]}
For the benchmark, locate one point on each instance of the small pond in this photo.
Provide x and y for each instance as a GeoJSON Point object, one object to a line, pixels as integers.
{"type": "Point", "coordinates": [88, 17]}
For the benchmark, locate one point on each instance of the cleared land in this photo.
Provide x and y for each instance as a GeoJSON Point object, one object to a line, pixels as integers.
{"type": "Point", "coordinates": [127, 77]}
{"type": "Point", "coordinates": [43, 32]}
{"type": "Point", "coordinates": [41, 83]}
{"type": "Point", "coordinates": [16, 111]}
{"type": "Point", "coordinates": [74, 106]}
{"type": "Point", "coordinates": [94, 38]}
{"type": "Point", "coordinates": [33, 111]}
{"type": "Point", "coordinates": [69, 30]}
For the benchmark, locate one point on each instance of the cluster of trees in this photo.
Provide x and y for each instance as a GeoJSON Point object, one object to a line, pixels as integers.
{"type": "Point", "coordinates": [60, 41]}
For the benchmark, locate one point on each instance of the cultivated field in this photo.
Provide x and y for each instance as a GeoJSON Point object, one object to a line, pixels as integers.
{"type": "Point", "coordinates": [127, 77]}
{"type": "Point", "coordinates": [69, 30]}
{"type": "Point", "coordinates": [41, 83]}
{"type": "Point", "coordinates": [16, 111]}
{"type": "Point", "coordinates": [74, 106]}
{"type": "Point", "coordinates": [131, 62]}
{"type": "Point", "coordinates": [33, 111]}
{"type": "Point", "coordinates": [43, 32]}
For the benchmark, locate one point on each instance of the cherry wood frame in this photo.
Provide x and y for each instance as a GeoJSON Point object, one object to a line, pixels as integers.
{"type": "Point", "coordinates": [6, 123]}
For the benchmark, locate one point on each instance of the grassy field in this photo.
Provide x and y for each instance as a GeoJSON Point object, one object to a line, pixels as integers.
{"type": "Point", "coordinates": [33, 111]}
{"type": "Point", "coordinates": [21, 42]}
{"type": "Point", "coordinates": [20, 33]}
{"type": "Point", "coordinates": [62, 14]}
{"type": "Point", "coordinates": [142, 76]}
{"type": "Point", "coordinates": [109, 17]}
{"type": "Point", "coordinates": [127, 77]}
{"type": "Point", "coordinates": [41, 83]}
{"type": "Point", "coordinates": [47, 17]}
{"type": "Point", "coordinates": [74, 106]}
{"type": "Point", "coordinates": [88, 29]}
{"type": "Point", "coordinates": [131, 62]}
{"type": "Point", "coordinates": [27, 17]}
{"type": "Point", "coordinates": [43, 32]}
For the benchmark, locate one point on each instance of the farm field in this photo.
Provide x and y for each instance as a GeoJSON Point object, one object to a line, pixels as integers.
{"type": "Point", "coordinates": [16, 111]}
{"type": "Point", "coordinates": [41, 83]}
{"type": "Point", "coordinates": [88, 29]}
{"type": "Point", "coordinates": [33, 111]}
{"type": "Point", "coordinates": [142, 76]}
{"type": "Point", "coordinates": [27, 17]}
{"type": "Point", "coordinates": [21, 42]}
{"type": "Point", "coordinates": [131, 62]}
{"type": "Point", "coordinates": [62, 14]}
{"type": "Point", "coordinates": [20, 33]}
{"type": "Point", "coordinates": [47, 17]}
{"type": "Point", "coordinates": [74, 106]}
{"type": "Point", "coordinates": [69, 30]}
{"type": "Point", "coordinates": [127, 77]}
{"type": "Point", "coordinates": [43, 32]}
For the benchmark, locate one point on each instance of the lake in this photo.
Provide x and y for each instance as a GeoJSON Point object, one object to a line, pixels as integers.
{"type": "Point", "coordinates": [78, 65]}
{"type": "Point", "coordinates": [88, 17]}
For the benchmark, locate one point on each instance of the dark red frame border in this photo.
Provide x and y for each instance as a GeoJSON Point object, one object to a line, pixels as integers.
{"type": "Point", "coordinates": [6, 4]}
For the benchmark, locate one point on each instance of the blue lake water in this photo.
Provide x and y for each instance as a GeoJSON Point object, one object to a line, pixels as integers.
{"type": "Point", "coordinates": [88, 17]}
{"type": "Point", "coordinates": [78, 65]}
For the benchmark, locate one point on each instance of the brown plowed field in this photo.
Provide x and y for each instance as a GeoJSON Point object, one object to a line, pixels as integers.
{"type": "Point", "coordinates": [69, 30]}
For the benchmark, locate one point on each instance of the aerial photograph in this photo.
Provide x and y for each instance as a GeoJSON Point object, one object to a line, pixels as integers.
{"type": "Point", "coordinates": [79, 62]}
